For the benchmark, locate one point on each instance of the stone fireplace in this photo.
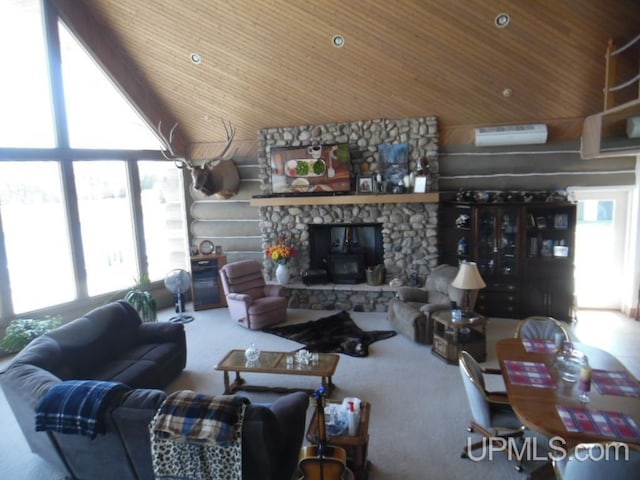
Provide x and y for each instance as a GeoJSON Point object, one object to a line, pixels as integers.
{"type": "Point", "coordinates": [345, 250]}
{"type": "Point", "coordinates": [400, 235]}
{"type": "Point", "coordinates": [409, 246]}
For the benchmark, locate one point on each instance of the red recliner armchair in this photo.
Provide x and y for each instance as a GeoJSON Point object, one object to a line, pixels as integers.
{"type": "Point", "coordinates": [252, 303]}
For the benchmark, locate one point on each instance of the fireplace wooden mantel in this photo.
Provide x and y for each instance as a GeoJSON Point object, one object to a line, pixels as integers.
{"type": "Point", "coordinates": [431, 197]}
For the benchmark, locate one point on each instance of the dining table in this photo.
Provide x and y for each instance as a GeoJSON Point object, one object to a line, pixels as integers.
{"type": "Point", "coordinates": [543, 406]}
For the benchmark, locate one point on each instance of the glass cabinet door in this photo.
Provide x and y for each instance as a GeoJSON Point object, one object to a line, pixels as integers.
{"type": "Point", "coordinates": [487, 246]}
{"type": "Point", "coordinates": [498, 241]}
{"type": "Point", "coordinates": [508, 242]}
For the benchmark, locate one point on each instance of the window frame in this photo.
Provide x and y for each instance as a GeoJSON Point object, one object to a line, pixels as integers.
{"type": "Point", "coordinates": [66, 156]}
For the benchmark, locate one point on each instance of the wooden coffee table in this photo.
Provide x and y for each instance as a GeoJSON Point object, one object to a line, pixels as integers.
{"type": "Point", "coordinates": [275, 362]}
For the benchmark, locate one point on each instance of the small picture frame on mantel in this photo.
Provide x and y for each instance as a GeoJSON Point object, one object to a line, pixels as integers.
{"type": "Point", "coordinates": [420, 185]}
{"type": "Point", "coordinates": [365, 185]}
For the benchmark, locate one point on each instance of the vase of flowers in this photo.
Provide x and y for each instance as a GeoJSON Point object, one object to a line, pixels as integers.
{"type": "Point", "coordinates": [283, 274]}
{"type": "Point", "coordinates": [281, 253]}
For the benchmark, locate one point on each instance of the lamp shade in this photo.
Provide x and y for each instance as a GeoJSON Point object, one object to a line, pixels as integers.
{"type": "Point", "coordinates": [468, 277]}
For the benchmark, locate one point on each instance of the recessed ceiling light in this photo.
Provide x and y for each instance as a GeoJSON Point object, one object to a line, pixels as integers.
{"type": "Point", "coordinates": [338, 41]}
{"type": "Point", "coordinates": [196, 58]}
{"type": "Point", "coordinates": [502, 20]}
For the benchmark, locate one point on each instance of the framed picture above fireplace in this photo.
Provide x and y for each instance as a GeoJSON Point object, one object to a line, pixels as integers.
{"type": "Point", "coordinates": [394, 163]}
{"type": "Point", "coordinates": [314, 169]}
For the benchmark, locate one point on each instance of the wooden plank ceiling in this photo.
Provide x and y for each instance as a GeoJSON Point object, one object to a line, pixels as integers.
{"type": "Point", "coordinates": [271, 63]}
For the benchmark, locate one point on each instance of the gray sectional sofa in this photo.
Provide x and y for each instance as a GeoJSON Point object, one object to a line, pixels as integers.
{"type": "Point", "coordinates": [111, 343]}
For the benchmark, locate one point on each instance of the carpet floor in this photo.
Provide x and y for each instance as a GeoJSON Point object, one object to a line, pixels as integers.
{"type": "Point", "coordinates": [419, 411]}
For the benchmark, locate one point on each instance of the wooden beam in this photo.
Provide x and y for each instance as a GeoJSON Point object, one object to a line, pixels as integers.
{"type": "Point", "coordinates": [432, 197]}
{"type": "Point", "coordinates": [108, 52]}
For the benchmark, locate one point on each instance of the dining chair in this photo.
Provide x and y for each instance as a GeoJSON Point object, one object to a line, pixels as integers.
{"type": "Point", "coordinates": [492, 416]}
{"type": "Point", "coordinates": [595, 461]}
{"type": "Point", "coordinates": [544, 328]}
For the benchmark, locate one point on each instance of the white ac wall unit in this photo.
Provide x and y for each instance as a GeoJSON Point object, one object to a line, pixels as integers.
{"type": "Point", "coordinates": [511, 135]}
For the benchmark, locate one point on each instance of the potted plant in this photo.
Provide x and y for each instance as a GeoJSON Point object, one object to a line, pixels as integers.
{"type": "Point", "coordinates": [141, 298]}
{"type": "Point", "coordinates": [22, 330]}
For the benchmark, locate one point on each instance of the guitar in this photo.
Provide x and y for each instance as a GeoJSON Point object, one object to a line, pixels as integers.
{"type": "Point", "coordinates": [322, 461]}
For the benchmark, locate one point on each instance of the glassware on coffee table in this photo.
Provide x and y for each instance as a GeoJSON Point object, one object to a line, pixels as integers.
{"type": "Point", "coordinates": [323, 366]}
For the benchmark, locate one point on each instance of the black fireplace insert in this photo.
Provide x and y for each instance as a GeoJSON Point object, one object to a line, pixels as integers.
{"type": "Point", "coordinates": [346, 267]}
{"type": "Point", "coordinates": [346, 250]}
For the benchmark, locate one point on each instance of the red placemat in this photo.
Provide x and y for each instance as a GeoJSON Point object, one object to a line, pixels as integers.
{"type": "Point", "coordinates": [538, 345]}
{"type": "Point", "coordinates": [599, 422]}
{"type": "Point", "coordinates": [532, 374]}
{"type": "Point", "coordinates": [619, 383]}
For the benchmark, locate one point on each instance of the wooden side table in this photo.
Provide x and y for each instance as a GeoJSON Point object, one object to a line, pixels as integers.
{"type": "Point", "coordinates": [450, 338]}
{"type": "Point", "coordinates": [355, 446]}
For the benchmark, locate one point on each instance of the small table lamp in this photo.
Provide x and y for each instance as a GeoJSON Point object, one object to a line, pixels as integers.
{"type": "Point", "coordinates": [468, 279]}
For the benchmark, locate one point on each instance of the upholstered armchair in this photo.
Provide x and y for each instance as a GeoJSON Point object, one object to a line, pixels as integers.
{"type": "Point", "coordinates": [252, 303]}
{"type": "Point", "coordinates": [410, 312]}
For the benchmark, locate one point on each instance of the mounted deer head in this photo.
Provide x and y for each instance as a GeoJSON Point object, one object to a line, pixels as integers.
{"type": "Point", "coordinates": [218, 176]}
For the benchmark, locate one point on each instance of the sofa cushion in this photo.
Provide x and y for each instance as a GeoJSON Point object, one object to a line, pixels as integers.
{"type": "Point", "coordinates": [144, 366]}
{"type": "Point", "coordinates": [131, 419]}
{"type": "Point", "coordinates": [45, 352]}
{"type": "Point", "coordinates": [102, 334]}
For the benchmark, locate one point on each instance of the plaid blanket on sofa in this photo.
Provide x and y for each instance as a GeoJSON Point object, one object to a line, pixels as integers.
{"type": "Point", "coordinates": [76, 406]}
{"type": "Point", "coordinates": [195, 436]}
{"type": "Point", "coordinates": [198, 418]}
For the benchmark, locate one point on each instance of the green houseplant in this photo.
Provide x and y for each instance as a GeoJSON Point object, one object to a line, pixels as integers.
{"type": "Point", "coordinates": [141, 298]}
{"type": "Point", "coordinates": [22, 330]}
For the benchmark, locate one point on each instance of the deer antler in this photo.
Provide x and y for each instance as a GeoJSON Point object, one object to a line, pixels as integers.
{"type": "Point", "coordinates": [218, 176]}
{"type": "Point", "coordinates": [169, 154]}
{"type": "Point", "coordinates": [230, 131]}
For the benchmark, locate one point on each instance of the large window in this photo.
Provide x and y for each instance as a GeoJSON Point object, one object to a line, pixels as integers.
{"type": "Point", "coordinates": [98, 116]}
{"type": "Point", "coordinates": [106, 225]}
{"type": "Point", "coordinates": [27, 118]}
{"type": "Point", "coordinates": [36, 237]}
{"type": "Point", "coordinates": [75, 227]}
{"type": "Point", "coordinates": [163, 214]}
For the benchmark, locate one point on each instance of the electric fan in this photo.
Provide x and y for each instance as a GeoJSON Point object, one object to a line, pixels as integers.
{"type": "Point", "coordinates": [178, 282]}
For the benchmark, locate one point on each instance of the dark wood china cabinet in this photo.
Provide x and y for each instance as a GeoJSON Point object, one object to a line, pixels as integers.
{"type": "Point", "coordinates": [524, 252]}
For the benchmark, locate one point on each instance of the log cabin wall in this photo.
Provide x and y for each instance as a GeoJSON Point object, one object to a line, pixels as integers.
{"type": "Point", "coordinates": [235, 225]}
{"type": "Point", "coordinates": [231, 224]}
{"type": "Point", "coordinates": [552, 166]}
